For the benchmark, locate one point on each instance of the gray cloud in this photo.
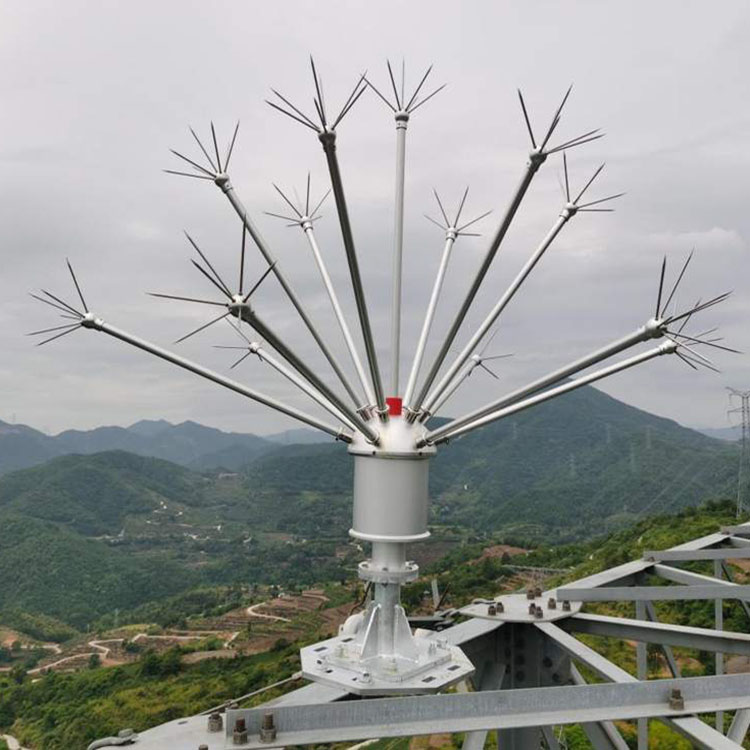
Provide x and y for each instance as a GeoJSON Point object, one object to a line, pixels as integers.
{"type": "Point", "coordinates": [95, 94]}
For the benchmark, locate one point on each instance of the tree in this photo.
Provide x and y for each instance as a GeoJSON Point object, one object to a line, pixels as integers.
{"type": "Point", "coordinates": [95, 661]}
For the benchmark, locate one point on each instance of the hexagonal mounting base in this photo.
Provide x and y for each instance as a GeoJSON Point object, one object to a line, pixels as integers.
{"type": "Point", "coordinates": [334, 662]}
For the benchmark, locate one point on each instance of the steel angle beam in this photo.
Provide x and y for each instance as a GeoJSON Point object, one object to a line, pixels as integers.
{"type": "Point", "coordinates": [740, 724]}
{"type": "Point", "coordinates": [716, 553]}
{"type": "Point", "coordinates": [653, 593]}
{"type": "Point", "coordinates": [604, 735]}
{"type": "Point", "coordinates": [742, 529]}
{"type": "Point", "coordinates": [737, 541]}
{"type": "Point", "coordinates": [503, 709]}
{"type": "Point", "coordinates": [662, 633]}
{"type": "Point", "coordinates": [678, 575]}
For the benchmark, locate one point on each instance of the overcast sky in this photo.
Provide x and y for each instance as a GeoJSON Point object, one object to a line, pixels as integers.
{"type": "Point", "coordinates": [94, 95]}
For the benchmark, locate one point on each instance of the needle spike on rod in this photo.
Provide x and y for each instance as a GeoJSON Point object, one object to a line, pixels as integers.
{"type": "Point", "coordinates": [679, 278]}
{"type": "Point", "coordinates": [661, 286]}
{"type": "Point", "coordinates": [308, 120]}
{"type": "Point", "coordinates": [461, 207]}
{"type": "Point", "coordinates": [62, 302]}
{"type": "Point", "coordinates": [307, 196]}
{"type": "Point", "coordinates": [380, 95]}
{"type": "Point", "coordinates": [286, 200]}
{"type": "Point", "coordinates": [418, 89]}
{"type": "Point", "coordinates": [59, 335]}
{"type": "Point", "coordinates": [555, 119]}
{"type": "Point", "coordinates": [473, 221]}
{"type": "Point", "coordinates": [567, 181]}
{"type": "Point", "coordinates": [320, 202]}
{"type": "Point", "coordinates": [585, 206]}
{"type": "Point", "coordinates": [319, 103]}
{"type": "Point", "coordinates": [202, 328]}
{"type": "Point", "coordinates": [436, 223]}
{"type": "Point", "coordinates": [345, 110]}
{"type": "Point", "coordinates": [54, 328]}
{"type": "Point", "coordinates": [242, 258]}
{"type": "Point", "coordinates": [293, 117]}
{"type": "Point", "coordinates": [52, 304]}
{"type": "Point", "coordinates": [200, 145]}
{"type": "Point", "coordinates": [216, 146]}
{"type": "Point", "coordinates": [427, 98]}
{"type": "Point", "coordinates": [393, 84]}
{"type": "Point", "coordinates": [589, 183]}
{"type": "Point", "coordinates": [226, 289]}
{"type": "Point", "coordinates": [442, 210]}
{"type": "Point", "coordinates": [403, 80]}
{"type": "Point", "coordinates": [228, 155]}
{"type": "Point", "coordinates": [192, 163]}
{"type": "Point", "coordinates": [78, 288]}
{"type": "Point", "coordinates": [241, 359]}
{"type": "Point", "coordinates": [526, 119]}
{"type": "Point", "coordinates": [188, 174]}
{"type": "Point", "coordinates": [210, 278]}
{"type": "Point", "coordinates": [185, 299]}
{"type": "Point", "coordinates": [259, 282]}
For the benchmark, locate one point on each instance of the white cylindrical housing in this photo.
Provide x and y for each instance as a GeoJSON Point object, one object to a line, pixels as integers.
{"type": "Point", "coordinates": [391, 498]}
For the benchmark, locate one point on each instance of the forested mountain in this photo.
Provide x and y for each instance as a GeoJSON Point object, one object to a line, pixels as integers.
{"type": "Point", "coordinates": [117, 529]}
{"type": "Point", "coordinates": [188, 444]}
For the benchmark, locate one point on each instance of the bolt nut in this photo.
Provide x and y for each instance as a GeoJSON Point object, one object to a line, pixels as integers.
{"type": "Point", "coordinates": [532, 608]}
{"type": "Point", "coordinates": [239, 735]}
{"type": "Point", "coordinates": [539, 612]}
{"type": "Point", "coordinates": [215, 722]}
{"type": "Point", "coordinates": [552, 603]}
{"type": "Point", "coordinates": [202, 747]}
{"type": "Point", "coordinates": [566, 606]}
{"type": "Point", "coordinates": [267, 728]}
{"type": "Point", "coordinates": [529, 593]}
{"type": "Point", "coordinates": [676, 701]}
{"type": "Point", "coordinates": [491, 610]}
{"type": "Point", "coordinates": [500, 607]}
{"type": "Point", "coordinates": [537, 591]}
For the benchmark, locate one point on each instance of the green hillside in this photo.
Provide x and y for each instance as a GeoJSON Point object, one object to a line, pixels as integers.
{"type": "Point", "coordinates": [82, 535]}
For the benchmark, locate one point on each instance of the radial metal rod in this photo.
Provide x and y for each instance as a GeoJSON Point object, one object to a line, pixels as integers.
{"type": "Point", "coordinates": [454, 386]}
{"type": "Point", "coordinates": [441, 436]}
{"type": "Point", "coordinates": [536, 159]}
{"type": "Point", "coordinates": [254, 347]}
{"type": "Point", "coordinates": [402, 122]}
{"type": "Point", "coordinates": [651, 330]}
{"type": "Point", "coordinates": [565, 215]}
{"type": "Point", "coordinates": [307, 228]}
{"type": "Point", "coordinates": [249, 316]}
{"type": "Point", "coordinates": [328, 140]}
{"type": "Point", "coordinates": [224, 183]}
{"type": "Point", "coordinates": [97, 324]}
{"type": "Point", "coordinates": [450, 239]}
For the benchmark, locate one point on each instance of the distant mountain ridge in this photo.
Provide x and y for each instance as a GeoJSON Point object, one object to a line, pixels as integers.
{"type": "Point", "coordinates": [188, 444]}
{"type": "Point", "coordinates": [574, 467]}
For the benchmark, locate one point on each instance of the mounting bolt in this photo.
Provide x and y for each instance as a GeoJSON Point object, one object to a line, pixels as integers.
{"type": "Point", "coordinates": [202, 747]}
{"type": "Point", "coordinates": [239, 735]}
{"type": "Point", "coordinates": [566, 606]}
{"type": "Point", "coordinates": [538, 612]}
{"type": "Point", "coordinates": [552, 603]}
{"type": "Point", "coordinates": [529, 593]}
{"type": "Point", "coordinates": [215, 722]}
{"type": "Point", "coordinates": [491, 610]}
{"type": "Point", "coordinates": [676, 701]}
{"type": "Point", "coordinates": [500, 607]}
{"type": "Point", "coordinates": [532, 608]}
{"type": "Point", "coordinates": [365, 678]}
{"type": "Point", "coordinates": [267, 728]}
{"type": "Point", "coordinates": [537, 591]}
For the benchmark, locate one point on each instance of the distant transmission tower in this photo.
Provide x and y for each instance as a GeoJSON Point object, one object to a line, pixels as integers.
{"type": "Point", "coordinates": [744, 411]}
